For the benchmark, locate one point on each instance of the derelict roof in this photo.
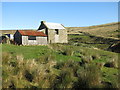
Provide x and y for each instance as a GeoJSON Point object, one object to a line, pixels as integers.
{"type": "Point", "coordinates": [53, 25]}
{"type": "Point", "coordinates": [31, 33]}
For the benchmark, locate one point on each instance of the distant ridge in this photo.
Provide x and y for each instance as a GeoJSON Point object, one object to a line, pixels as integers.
{"type": "Point", "coordinates": [12, 31]}
{"type": "Point", "coordinates": [104, 30]}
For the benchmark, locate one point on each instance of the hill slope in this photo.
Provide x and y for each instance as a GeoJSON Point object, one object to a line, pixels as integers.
{"type": "Point", "coordinates": [58, 66]}
{"type": "Point", "coordinates": [105, 30]}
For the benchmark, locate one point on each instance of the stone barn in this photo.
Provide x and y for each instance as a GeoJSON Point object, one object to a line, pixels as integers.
{"type": "Point", "coordinates": [56, 33]}
{"type": "Point", "coordinates": [30, 37]}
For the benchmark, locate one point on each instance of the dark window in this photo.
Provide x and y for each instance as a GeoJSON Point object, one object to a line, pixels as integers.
{"type": "Point", "coordinates": [31, 37]}
{"type": "Point", "coordinates": [56, 31]}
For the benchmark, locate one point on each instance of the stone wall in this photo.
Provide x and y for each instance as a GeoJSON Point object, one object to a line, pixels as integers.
{"type": "Point", "coordinates": [51, 36]}
{"type": "Point", "coordinates": [39, 41]}
{"type": "Point", "coordinates": [61, 37]}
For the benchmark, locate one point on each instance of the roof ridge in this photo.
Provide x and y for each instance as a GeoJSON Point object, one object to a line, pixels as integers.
{"type": "Point", "coordinates": [53, 25]}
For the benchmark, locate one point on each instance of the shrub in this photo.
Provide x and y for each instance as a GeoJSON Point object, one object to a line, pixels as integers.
{"type": "Point", "coordinates": [89, 77]}
{"type": "Point", "coordinates": [6, 58]}
{"type": "Point", "coordinates": [65, 79]}
{"type": "Point", "coordinates": [28, 73]}
{"type": "Point", "coordinates": [68, 73]}
{"type": "Point", "coordinates": [68, 51]}
{"type": "Point", "coordinates": [45, 72]}
{"type": "Point", "coordinates": [46, 58]}
{"type": "Point", "coordinates": [74, 65]}
{"type": "Point", "coordinates": [86, 59]}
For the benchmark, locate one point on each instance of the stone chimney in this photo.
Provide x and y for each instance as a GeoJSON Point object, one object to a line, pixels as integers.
{"type": "Point", "coordinates": [43, 22]}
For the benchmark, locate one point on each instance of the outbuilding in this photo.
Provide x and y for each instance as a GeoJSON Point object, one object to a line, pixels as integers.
{"type": "Point", "coordinates": [30, 37]}
{"type": "Point", "coordinates": [55, 32]}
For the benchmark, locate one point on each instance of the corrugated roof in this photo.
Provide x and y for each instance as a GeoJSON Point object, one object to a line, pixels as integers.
{"type": "Point", "coordinates": [31, 33]}
{"type": "Point", "coordinates": [54, 25]}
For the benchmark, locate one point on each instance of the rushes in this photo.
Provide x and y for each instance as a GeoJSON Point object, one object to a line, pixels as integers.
{"type": "Point", "coordinates": [6, 57]}
{"type": "Point", "coordinates": [30, 72]}
{"type": "Point", "coordinates": [89, 77]}
{"type": "Point", "coordinates": [68, 51]}
{"type": "Point", "coordinates": [47, 72]}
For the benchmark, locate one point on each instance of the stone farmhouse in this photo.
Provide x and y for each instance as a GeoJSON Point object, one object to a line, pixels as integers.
{"type": "Point", "coordinates": [46, 33]}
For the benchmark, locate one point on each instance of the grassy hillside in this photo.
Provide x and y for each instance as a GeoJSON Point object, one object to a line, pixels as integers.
{"type": "Point", "coordinates": [7, 31]}
{"type": "Point", "coordinates": [105, 30]}
{"type": "Point", "coordinates": [84, 62]}
{"type": "Point", "coordinates": [31, 52]}
{"type": "Point", "coordinates": [89, 40]}
{"type": "Point", "coordinates": [58, 66]}
{"type": "Point", "coordinates": [11, 31]}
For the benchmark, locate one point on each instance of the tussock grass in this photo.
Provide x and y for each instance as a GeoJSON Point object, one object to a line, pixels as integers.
{"type": "Point", "coordinates": [68, 51]}
{"type": "Point", "coordinates": [89, 76]}
{"type": "Point", "coordinates": [80, 67]}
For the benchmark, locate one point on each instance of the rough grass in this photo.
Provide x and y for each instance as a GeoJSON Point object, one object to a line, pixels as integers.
{"type": "Point", "coordinates": [88, 40]}
{"type": "Point", "coordinates": [60, 52]}
{"type": "Point", "coordinates": [82, 63]}
{"type": "Point", "coordinates": [57, 66]}
{"type": "Point", "coordinates": [106, 30]}
{"type": "Point", "coordinates": [28, 51]}
{"type": "Point", "coordinates": [21, 73]}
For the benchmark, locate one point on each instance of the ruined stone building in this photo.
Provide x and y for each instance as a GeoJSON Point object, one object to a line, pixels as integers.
{"type": "Point", "coordinates": [46, 33]}
{"type": "Point", "coordinates": [55, 32]}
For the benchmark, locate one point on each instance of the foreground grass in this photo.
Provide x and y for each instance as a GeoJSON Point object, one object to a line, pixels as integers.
{"type": "Point", "coordinates": [28, 51]}
{"type": "Point", "coordinates": [31, 52]}
{"type": "Point", "coordinates": [58, 66]}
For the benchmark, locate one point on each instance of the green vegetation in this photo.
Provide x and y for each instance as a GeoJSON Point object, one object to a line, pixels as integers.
{"type": "Point", "coordinates": [32, 52]}
{"type": "Point", "coordinates": [58, 66]}
{"type": "Point", "coordinates": [84, 62]}
{"type": "Point", "coordinates": [106, 30]}
{"type": "Point", "coordinates": [87, 40]}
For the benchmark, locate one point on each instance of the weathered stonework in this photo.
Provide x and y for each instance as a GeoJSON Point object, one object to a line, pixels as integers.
{"type": "Point", "coordinates": [61, 37]}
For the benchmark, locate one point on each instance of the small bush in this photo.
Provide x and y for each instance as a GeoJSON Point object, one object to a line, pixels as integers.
{"type": "Point", "coordinates": [89, 77]}
{"type": "Point", "coordinates": [6, 57]}
{"type": "Point", "coordinates": [68, 51]}
{"type": "Point", "coordinates": [46, 58]}
{"type": "Point", "coordinates": [65, 79]}
{"type": "Point", "coordinates": [86, 59]}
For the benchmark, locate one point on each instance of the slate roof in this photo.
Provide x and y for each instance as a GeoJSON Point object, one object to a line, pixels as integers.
{"type": "Point", "coordinates": [54, 25]}
{"type": "Point", "coordinates": [31, 33]}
